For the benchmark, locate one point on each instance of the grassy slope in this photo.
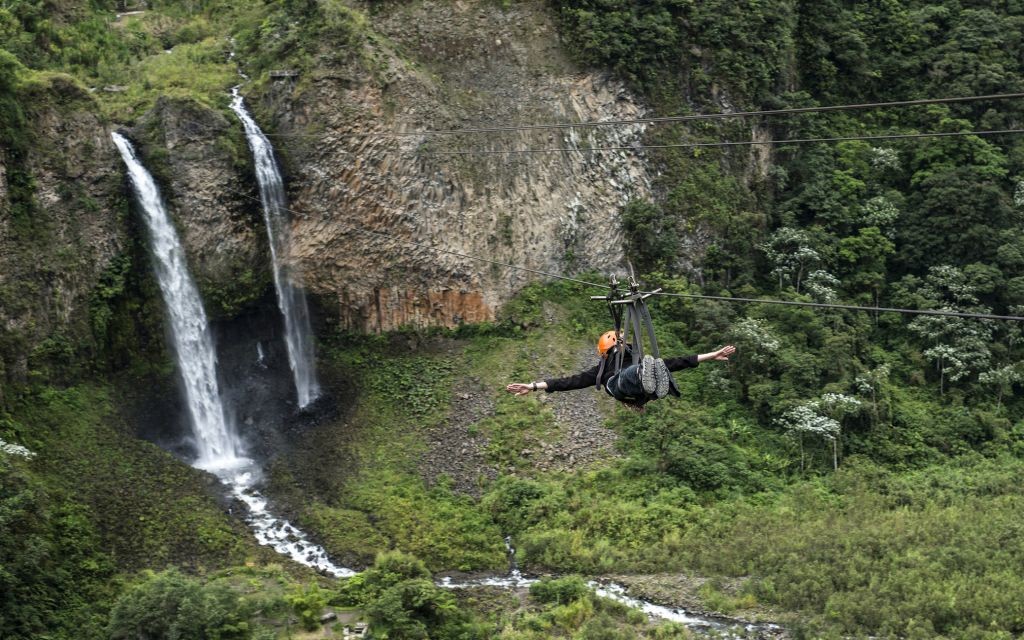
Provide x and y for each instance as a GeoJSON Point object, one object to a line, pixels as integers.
{"type": "Point", "coordinates": [910, 545]}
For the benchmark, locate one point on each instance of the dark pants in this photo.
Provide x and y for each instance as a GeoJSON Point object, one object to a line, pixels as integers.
{"type": "Point", "coordinates": [626, 385]}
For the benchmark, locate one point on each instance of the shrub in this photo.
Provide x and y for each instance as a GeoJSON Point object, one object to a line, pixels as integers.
{"type": "Point", "coordinates": [559, 590]}
{"type": "Point", "coordinates": [170, 605]}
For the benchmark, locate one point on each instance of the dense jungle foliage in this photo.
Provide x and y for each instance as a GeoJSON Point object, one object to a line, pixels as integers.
{"type": "Point", "coordinates": [859, 474]}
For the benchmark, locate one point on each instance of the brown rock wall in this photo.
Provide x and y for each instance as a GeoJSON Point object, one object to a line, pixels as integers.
{"type": "Point", "coordinates": [378, 210]}
{"type": "Point", "coordinates": [212, 195]}
{"type": "Point", "coordinates": [53, 255]}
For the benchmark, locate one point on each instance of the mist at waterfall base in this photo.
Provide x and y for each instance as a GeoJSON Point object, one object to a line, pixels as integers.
{"type": "Point", "coordinates": [219, 449]}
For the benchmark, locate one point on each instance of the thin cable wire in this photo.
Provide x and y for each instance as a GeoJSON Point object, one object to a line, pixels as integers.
{"type": "Point", "coordinates": [694, 145]}
{"type": "Point", "coordinates": [666, 119]}
{"type": "Point", "coordinates": [710, 116]}
{"type": "Point", "coordinates": [849, 307]}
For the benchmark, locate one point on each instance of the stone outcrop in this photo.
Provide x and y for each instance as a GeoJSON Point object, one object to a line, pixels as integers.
{"type": "Point", "coordinates": [201, 161]}
{"type": "Point", "coordinates": [63, 232]}
{"type": "Point", "coordinates": [387, 218]}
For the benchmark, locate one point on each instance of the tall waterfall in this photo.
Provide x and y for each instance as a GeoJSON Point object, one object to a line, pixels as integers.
{"type": "Point", "coordinates": [298, 334]}
{"type": "Point", "coordinates": [218, 446]}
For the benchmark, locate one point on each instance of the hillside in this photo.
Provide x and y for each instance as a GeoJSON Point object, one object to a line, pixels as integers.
{"type": "Point", "coordinates": [848, 473]}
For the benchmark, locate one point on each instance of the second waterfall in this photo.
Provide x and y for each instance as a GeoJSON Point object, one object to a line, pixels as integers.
{"type": "Point", "coordinates": [290, 298]}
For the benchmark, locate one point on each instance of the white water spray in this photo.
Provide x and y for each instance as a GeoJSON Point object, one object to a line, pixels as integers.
{"type": "Point", "coordinates": [216, 443]}
{"type": "Point", "coordinates": [277, 533]}
{"type": "Point", "coordinates": [220, 450]}
{"type": "Point", "coordinates": [291, 300]}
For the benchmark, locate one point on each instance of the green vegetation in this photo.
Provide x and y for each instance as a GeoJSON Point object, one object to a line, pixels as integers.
{"type": "Point", "coordinates": [401, 603]}
{"type": "Point", "coordinates": [92, 505]}
{"type": "Point", "coordinates": [860, 474]}
{"type": "Point", "coordinates": [378, 498]}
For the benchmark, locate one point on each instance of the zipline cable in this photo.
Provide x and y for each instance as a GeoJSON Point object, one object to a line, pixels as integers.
{"type": "Point", "coordinates": [694, 145]}
{"type": "Point", "coordinates": [848, 307]}
{"type": "Point", "coordinates": [658, 120]}
{"type": "Point", "coordinates": [719, 115]}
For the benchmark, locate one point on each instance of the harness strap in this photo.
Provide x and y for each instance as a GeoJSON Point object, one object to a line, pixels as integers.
{"type": "Point", "coordinates": [672, 387]}
{"type": "Point", "coordinates": [638, 349]}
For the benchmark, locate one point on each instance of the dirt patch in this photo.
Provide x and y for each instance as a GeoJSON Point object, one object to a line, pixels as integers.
{"type": "Point", "coordinates": [581, 416]}
{"type": "Point", "coordinates": [456, 450]}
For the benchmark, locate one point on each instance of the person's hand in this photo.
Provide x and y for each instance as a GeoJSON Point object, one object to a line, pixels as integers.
{"type": "Point", "coordinates": [518, 388]}
{"type": "Point", "coordinates": [723, 353]}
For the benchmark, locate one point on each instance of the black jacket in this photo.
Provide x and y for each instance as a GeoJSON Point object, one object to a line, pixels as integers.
{"type": "Point", "coordinates": [588, 378]}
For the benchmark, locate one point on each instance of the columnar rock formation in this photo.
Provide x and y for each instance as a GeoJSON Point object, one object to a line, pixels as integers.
{"type": "Point", "coordinates": [383, 214]}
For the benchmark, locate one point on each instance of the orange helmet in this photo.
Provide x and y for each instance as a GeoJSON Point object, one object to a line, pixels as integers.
{"type": "Point", "coordinates": [607, 340]}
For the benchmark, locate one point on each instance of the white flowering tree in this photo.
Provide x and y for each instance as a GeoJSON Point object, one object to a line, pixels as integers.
{"type": "Point", "coordinates": [959, 347]}
{"type": "Point", "coordinates": [822, 418]}
{"type": "Point", "coordinates": [755, 339]}
{"type": "Point", "coordinates": [880, 212]}
{"type": "Point", "coordinates": [11, 449]}
{"type": "Point", "coordinates": [790, 252]}
{"type": "Point", "coordinates": [804, 419]}
{"type": "Point", "coordinates": [1003, 379]}
{"type": "Point", "coordinates": [822, 286]}
{"type": "Point", "coordinates": [756, 345]}
{"type": "Point", "coordinates": [870, 384]}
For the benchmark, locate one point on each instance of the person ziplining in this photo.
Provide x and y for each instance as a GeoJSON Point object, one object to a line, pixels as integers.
{"type": "Point", "coordinates": [648, 377]}
{"type": "Point", "coordinates": [635, 385]}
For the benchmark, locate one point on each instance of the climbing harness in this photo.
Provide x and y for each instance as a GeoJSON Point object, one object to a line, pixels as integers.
{"type": "Point", "coordinates": [637, 319]}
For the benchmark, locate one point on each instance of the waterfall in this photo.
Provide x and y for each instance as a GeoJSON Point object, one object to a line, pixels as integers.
{"type": "Point", "coordinates": [291, 300]}
{"type": "Point", "coordinates": [217, 444]}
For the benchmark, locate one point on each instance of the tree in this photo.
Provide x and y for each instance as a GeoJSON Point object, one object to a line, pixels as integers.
{"type": "Point", "coordinates": [959, 204]}
{"type": "Point", "coordinates": [650, 239]}
{"type": "Point", "coordinates": [401, 601]}
{"type": "Point", "coordinates": [822, 286]}
{"type": "Point", "coordinates": [790, 253]}
{"type": "Point", "coordinates": [863, 260]}
{"type": "Point", "coordinates": [1002, 379]}
{"type": "Point", "coordinates": [756, 346]}
{"type": "Point", "coordinates": [172, 606]}
{"type": "Point", "coordinates": [959, 346]}
{"type": "Point", "coordinates": [805, 418]}
{"type": "Point", "coordinates": [822, 417]}
{"type": "Point", "coordinates": [308, 602]}
{"type": "Point", "coordinates": [870, 384]}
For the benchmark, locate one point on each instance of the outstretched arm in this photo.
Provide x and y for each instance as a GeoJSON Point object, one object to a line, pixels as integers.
{"type": "Point", "coordinates": [721, 354]}
{"type": "Point", "coordinates": [521, 389]}
{"type": "Point", "coordinates": [581, 380]}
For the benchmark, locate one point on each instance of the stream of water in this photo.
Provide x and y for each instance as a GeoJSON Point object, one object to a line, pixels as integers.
{"type": "Point", "coordinates": [298, 334]}
{"type": "Point", "coordinates": [217, 444]}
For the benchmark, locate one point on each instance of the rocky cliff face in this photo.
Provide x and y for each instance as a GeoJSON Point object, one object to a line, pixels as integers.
{"type": "Point", "coordinates": [61, 225]}
{"type": "Point", "coordinates": [387, 218]}
{"type": "Point", "coordinates": [390, 227]}
{"type": "Point", "coordinates": [201, 161]}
